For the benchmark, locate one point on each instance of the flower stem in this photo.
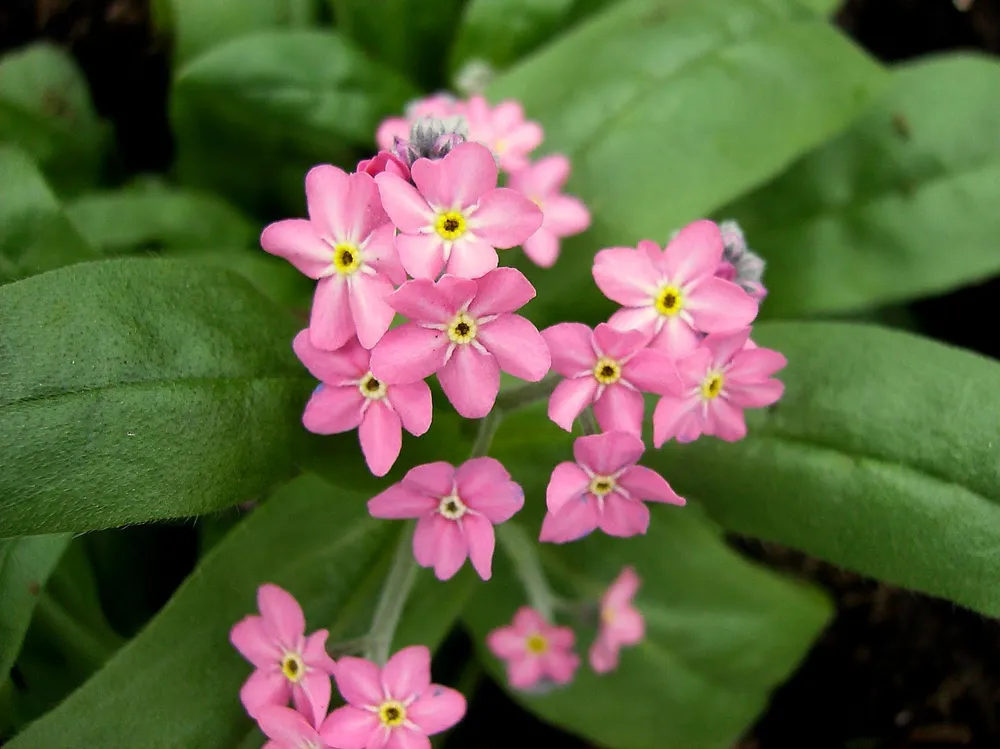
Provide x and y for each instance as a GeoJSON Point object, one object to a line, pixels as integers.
{"type": "Point", "coordinates": [513, 399]}
{"type": "Point", "coordinates": [588, 424]}
{"type": "Point", "coordinates": [528, 566]}
{"type": "Point", "coordinates": [389, 609]}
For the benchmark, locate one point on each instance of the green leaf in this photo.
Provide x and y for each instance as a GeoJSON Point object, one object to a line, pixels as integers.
{"type": "Point", "coordinates": [903, 205]}
{"type": "Point", "coordinates": [35, 234]}
{"type": "Point", "coordinates": [25, 566]}
{"type": "Point", "coordinates": [881, 458]}
{"type": "Point", "coordinates": [668, 111]}
{"type": "Point", "coordinates": [315, 540]}
{"type": "Point", "coordinates": [135, 390]}
{"type": "Point", "coordinates": [45, 109]}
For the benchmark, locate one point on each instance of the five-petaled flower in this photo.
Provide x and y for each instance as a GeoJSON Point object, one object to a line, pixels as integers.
{"type": "Point", "coordinates": [350, 397]}
{"type": "Point", "coordinates": [603, 489]}
{"type": "Point", "coordinates": [457, 509]}
{"type": "Point", "coordinates": [609, 368]}
{"type": "Point", "coordinates": [504, 130]}
{"type": "Point", "coordinates": [287, 729]}
{"type": "Point", "coordinates": [289, 665]}
{"type": "Point", "coordinates": [620, 624]}
{"type": "Point", "coordinates": [347, 243]}
{"type": "Point", "coordinates": [455, 216]}
{"type": "Point", "coordinates": [395, 707]}
{"type": "Point", "coordinates": [466, 332]}
{"type": "Point", "coordinates": [674, 295]}
{"type": "Point", "coordinates": [536, 651]}
{"type": "Point", "coordinates": [725, 375]}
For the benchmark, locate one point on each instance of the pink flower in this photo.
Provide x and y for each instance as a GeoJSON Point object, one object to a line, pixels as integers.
{"type": "Point", "coordinates": [621, 623]}
{"type": "Point", "coordinates": [457, 511]}
{"type": "Point", "coordinates": [535, 651]}
{"type": "Point", "coordinates": [395, 707]}
{"type": "Point", "coordinates": [350, 397]}
{"type": "Point", "coordinates": [456, 216]}
{"type": "Point", "coordinates": [347, 244]}
{"type": "Point", "coordinates": [288, 729]}
{"type": "Point", "coordinates": [609, 368]}
{"type": "Point", "coordinates": [564, 215]}
{"type": "Point", "coordinates": [674, 295]}
{"type": "Point", "coordinates": [466, 332]}
{"type": "Point", "coordinates": [503, 130]}
{"type": "Point", "coordinates": [384, 161]}
{"type": "Point", "coordinates": [438, 105]}
{"type": "Point", "coordinates": [289, 664]}
{"type": "Point", "coordinates": [725, 375]}
{"type": "Point", "coordinates": [604, 489]}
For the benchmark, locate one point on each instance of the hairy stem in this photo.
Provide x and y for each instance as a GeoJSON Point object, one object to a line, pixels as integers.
{"type": "Point", "coordinates": [389, 609]}
{"type": "Point", "coordinates": [588, 423]}
{"type": "Point", "coordinates": [526, 394]}
{"type": "Point", "coordinates": [528, 566]}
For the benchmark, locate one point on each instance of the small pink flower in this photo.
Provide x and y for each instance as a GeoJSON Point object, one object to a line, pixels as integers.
{"type": "Point", "coordinates": [384, 161]}
{"type": "Point", "coordinates": [621, 623]}
{"type": "Point", "coordinates": [609, 368]}
{"type": "Point", "coordinates": [289, 664]}
{"type": "Point", "coordinates": [466, 332]}
{"type": "Point", "coordinates": [536, 652]}
{"type": "Point", "coordinates": [457, 509]}
{"type": "Point", "coordinates": [724, 376]}
{"type": "Point", "coordinates": [564, 215]}
{"type": "Point", "coordinates": [288, 729]}
{"type": "Point", "coordinates": [603, 489]}
{"type": "Point", "coordinates": [395, 707]}
{"type": "Point", "coordinates": [350, 397]}
{"type": "Point", "coordinates": [456, 216]}
{"type": "Point", "coordinates": [674, 294]}
{"type": "Point", "coordinates": [503, 130]}
{"type": "Point", "coordinates": [347, 243]}
{"type": "Point", "coordinates": [438, 105]}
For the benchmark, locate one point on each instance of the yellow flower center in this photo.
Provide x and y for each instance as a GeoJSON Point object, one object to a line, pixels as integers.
{"type": "Point", "coordinates": [462, 329]}
{"type": "Point", "coordinates": [536, 644]}
{"type": "Point", "coordinates": [607, 615]}
{"type": "Point", "coordinates": [452, 507]}
{"type": "Point", "coordinates": [371, 388]}
{"type": "Point", "coordinates": [450, 225]}
{"type": "Point", "coordinates": [602, 485]}
{"type": "Point", "coordinates": [392, 713]}
{"type": "Point", "coordinates": [292, 667]}
{"type": "Point", "coordinates": [607, 371]}
{"type": "Point", "coordinates": [711, 386]}
{"type": "Point", "coordinates": [346, 259]}
{"type": "Point", "coordinates": [669, 301]}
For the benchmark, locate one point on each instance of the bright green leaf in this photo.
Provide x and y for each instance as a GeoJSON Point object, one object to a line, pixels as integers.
{"type": "Point", "coordinates": [135, 390]}
{"type": "Point", "coordinates": [315, 540]}
{"type": "Point", "coordinates": [882, 457]}
{"type": "Point", "coordinates": [901, 206]}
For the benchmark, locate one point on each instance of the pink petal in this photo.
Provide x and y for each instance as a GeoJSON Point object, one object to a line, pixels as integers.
{"type": "Point", "coordinates": [501, 290]}
{"type": "Point", "coordinates": [443, 545]}
{"type": "Point", "coordinates": [349, 727]}
{"type": "Point", "coordinates": [458, 291]}
{"type": "Point", "coordinates": [422, 255]}
{"type": "Point", "coordinates": [407, 209]}
{"type": "Point", "coordinates": [481, 540]}
{"type": "Point", "coordinates": [629, 628]}
{"type": "Point", "coordinates": [314, 652]}
{"type": "Point", "coordinates": [485, 486]}
{"type": "Point", "coordinates": [620, 409]}
{"type": "Point", "coordinates": [381, 436]}
{"type": "Point", "coordinates": [571, 345]}
{"type": "Point", "coordinates": [621, 592]}
{"type": "Point", "coordinates": [653, 371]}
{"type": "Point", "coordinates": [507, 116]}
{"type": "Point", "coordinates": [693, 367]}
{"type": "Point", "coordinates": [568, 482]}
{"type": "Point", "coordinates": [285, 726]}
{"type": "Point", "coordinates": [437, 710]}
{"type": "Point", "coordinates": [406, 738]}
{"type": "Point", "coordinates": [434, 479]}
{"type": "Point", "coordinates": [425, 539]}
{"type": "Point", "coordinates": [413, 404]}
{"type": "Point", "coordinates": [461, 178]}
{"type": "Point", "coordinates": [626, 276]}
{"type": "Point", "coordinates": [544, 177]}
{"type": "Point", "coordinates": [754, 365]}
{"type": "Point", "coordinates": [343, 207]}
{"type": "Point", "coordinates": [471, 257]}
{"type": "Point", "coordinates": [574, 520]}
{"type": "Point", "coordinates": [718, 306]}
{"type": "Point", "coordinates": [518, 347]}
{"type": "Point", "coordinates": [569, 399]}
{"type": "Point", "coordinates": [408, 354]}
{"type": "Point", "coordinates": [724, 346]}
{"type": "Point", "coordinates": [408, 673]}
{"type": "Point", "coordinates": [505, 218]}
{"type": "Point", "coordinates": [618, 344]}
{"type": "Point", "coordinates": [359, 681]}
{"type": "Point", "coordinates": [471, 381]}
{"type": "Point", "coordinates": [372, 316]}
{"type": "Point", "coordinates": [296, 240]}
{"type": "Point", "coordinates": [332, 410]}
{"type": "Point", "coordinates": [542, 248]}
{"type": "Point", "coordinates": [565, 215]}
{"type": "Point", "coordinates": [646, 484]}
{"type": "Point", "coordinates": [264, 688]}
{"type": "Point", "coordinates": [528, 621]}
{"type": "Point", "coordinates": [725, 421]}
{"type": "Point", "coordinates": [672, 415]}
{"type": "Point", "coordinates": [624, 517]}
{"type": "Point", "coordinates": [505, 642]}
{"type": "Point", "coordinates": [399, 501]}
{"type": "Point", "coordinates": [694, 253]}
{"type": "Point", "coordinates": [754, 395]}
{"type": "Point", "coordinates": [254, 642]}
{"type": "Point", "coordinates": [331, 324]}
{"type": "Point", "coordinates": [561, 666]}
{"type": "Point", "coordinates": [603, 656]}
{"type": "Point", "coordinates": [422, 300]}
{"type": "Point", "coordinates": [676, 338]}
{"type": "Point", "coordinates": [350, 362]}
{"type": "Point", "coordinates": [282, 615]}
{"type": "Point", "coordinates": [561, 638]}
{"type": "Point", "coordinates": [311, 696]}
{"type": "Point", "coordinates": [607, 453]}
{"type": "Point", "coordinates": [380, 253]}
{"type": "Point", "coordinates": [390, 129]}
{"type": "Point", "coordinates": [524, 673]}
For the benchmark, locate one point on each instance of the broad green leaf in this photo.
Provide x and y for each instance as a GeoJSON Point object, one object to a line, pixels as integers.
{"type": "Point", "coordinates": [903, 205]}
{"type": "Point", "coordinates": [882, 457]}
{"type": "Point", "coordinates": [135, 390]}
{"type": "Point", "coordinates": [252, 115]}
{"type": "Point", "coordinates": [35, 234]}
{"type": "Point", "coordinates": [315, 540]}
{"type": "Point", "coordinates": [822, 7]}
{"type": "Point", "coordinates": [45, 109]}
{"type": "Point", "coordinates": [25, 565]}
{"type": "Point", "coordinates": [670, 110]}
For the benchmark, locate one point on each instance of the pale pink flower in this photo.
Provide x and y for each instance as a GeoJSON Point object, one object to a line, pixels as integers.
{"type": "Point", "coordinates": [350, 397]}
{"type": "Point", "coordinates": [347, 243]}
{"type": "Point", "coordinates": [674, 295]}
{"type": "Point", "coordinates": [437, 105]}
{"type": "Point", "coordinates": [609, 368]}
{"type": "Point", "coordinates": [384, 161]}
{"type": "Point", "coordinates": [287, 729]}
{"type": "Point", "coordinates": [503, 130]}
{"type": "Point", "coordinates": [603, 489]}
{"type": "Point", "coordinates": [720, 379]}
{"type": "Point", "coordinates": [456, 216]}
{"type": "Point", "coordinates": [457, 509]}
{"type": "Point", "coordinates": [289, 665]}
{"type": "Point", "coordinates": [621, 623]}
{"type": "Point", "coordinates": [564, 215]}
{"type": "Point", "coordinates": [465, 331]}
{"type": "Point", "coordinates": [535, 651]}
{"type": "Point", "coordinates": [395, 707]}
